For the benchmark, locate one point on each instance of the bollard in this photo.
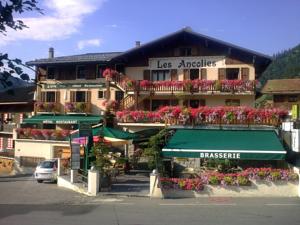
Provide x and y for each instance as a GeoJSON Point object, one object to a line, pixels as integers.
{"type": "Point", "coordinates": [93, 182]}
{"type": "Point", "coordinates": [155, 190]}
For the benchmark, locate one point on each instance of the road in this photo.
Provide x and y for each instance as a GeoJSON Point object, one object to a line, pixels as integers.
{"type": "Point", "coordinates": [23, 201]}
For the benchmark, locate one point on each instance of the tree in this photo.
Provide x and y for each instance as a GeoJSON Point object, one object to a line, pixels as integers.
{"type": "Point", "coordinates": [153, 151]}
{"type": "Point", "coordinates": [8, 9]}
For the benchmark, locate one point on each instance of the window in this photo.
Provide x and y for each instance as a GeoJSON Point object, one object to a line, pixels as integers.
{"type": "Point", "coordinates": [279, 98]}
{"type": "Point", "coordinates": [100, 69]}
{"type": "Point", "coordinates": [50, 73]}
{"type": "Point", "coordinates": [101, 94]}
{"type": "Point", "coordinates": [195, 103]}
{"type": "Point", "coordinates": [229, 73]}
{"type": "Point", "coordinates": [194, 74]}
{"type": "Point", "coordinates": [158, 75]}
{"type": "Point", "coordinates": [156, 104]}
{"type": "Point", "coordinates": [185, 51]}
{"type": "Point", "coordinates": [232, 102]}
{"type": "Point", "coordinates": [232, 73]}
{"type": "Point", "coordinates": [292, 98]}
{"type": "Point", "coordinates": [119, 95]}
{"type": "Point", "coordinates": [50, 96]}
{"type": "Point", "coordinates": [80, 96]}
{"type": "Point", "coordinates": [81, 72]}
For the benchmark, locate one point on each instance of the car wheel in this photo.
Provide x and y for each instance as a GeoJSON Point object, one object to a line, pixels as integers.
{"type": "Point", "coordinates": [39, 181]}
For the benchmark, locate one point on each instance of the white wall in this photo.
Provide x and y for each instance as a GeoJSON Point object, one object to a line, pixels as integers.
{"type": "Point", "coordinates": [36, 148]}
{"type": "Point", "coordinates": [288, 126]}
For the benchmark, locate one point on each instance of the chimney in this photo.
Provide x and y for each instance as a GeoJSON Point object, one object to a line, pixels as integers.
{"type": "Point", "coordinates": [137, 44]}
{"type": "Point", "coordinates": [51, 53]}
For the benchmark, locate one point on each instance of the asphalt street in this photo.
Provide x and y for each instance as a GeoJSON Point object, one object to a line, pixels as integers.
{"type": "Point", "coordinates": [23, 201]}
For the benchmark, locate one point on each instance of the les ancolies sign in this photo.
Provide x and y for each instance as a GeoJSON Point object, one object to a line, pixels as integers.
{"type": "Point", "coordinates": [186, 62]}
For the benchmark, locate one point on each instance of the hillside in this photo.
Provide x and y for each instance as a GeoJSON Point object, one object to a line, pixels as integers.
{"type": "Point", "coordinates": [16, 83]}
{"type": "Point", "coordinates": [285, 64]}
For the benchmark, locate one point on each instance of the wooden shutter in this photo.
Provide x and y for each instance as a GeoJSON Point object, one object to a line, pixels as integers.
{"type": "Point", "coordinates": [43, 96]}
{"type": "Point", "coordinates": [203, 74]}
{"type": "Point", "coordinates": [222, 73]}
{"type": "Point", "coordinates": [88, 96]}
{"type": "Point", "coordinates": [186, 74]}
{"type": "Point", "coordinates": [57, 96]}
{"type": "Point", "coordinates": [245, 74]}
{"type": "Point", "coordinates": [72, 96]}
{"type": "Point", "coordinates": [146, 75]}
{"type": "Point", "coordinates": [174, 75]}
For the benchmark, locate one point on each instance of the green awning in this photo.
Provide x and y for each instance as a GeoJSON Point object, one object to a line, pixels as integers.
{"type": "Point", "coordinates": [63, 119]}
{"type": "Point", "coordinates": [112, 133]}
{"type": "Point", "coordinates": [225, 144]}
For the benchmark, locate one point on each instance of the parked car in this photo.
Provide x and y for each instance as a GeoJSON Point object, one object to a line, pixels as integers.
{"type": "Point", "coordinates": [46, 171]}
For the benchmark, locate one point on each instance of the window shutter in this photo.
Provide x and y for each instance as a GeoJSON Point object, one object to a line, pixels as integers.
{"type": "Point", "coordinates": [57, 96]}
{"type": "Point", "coordinates": [88, 96]}
{"type": "Point", "coordinates": [222, 73]}
{"type": "Point", "coordinates": [245, 74]}
{"type": "Point", "coordinates": [146, 75]}
{"type": "Point", "coordinates": [72, 96]}
{"type": "Point", "coordinates": [203, 74]}
{"type": "Point", "coordinates": [174, 75]}
{"type": "Point", "coordinates": [185, 74]}
{"type": "Point", "coordinates": [43, 96]}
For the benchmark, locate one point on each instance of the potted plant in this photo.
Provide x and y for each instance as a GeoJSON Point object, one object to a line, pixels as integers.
{"type": "Point", "coordinates": [103, 163]}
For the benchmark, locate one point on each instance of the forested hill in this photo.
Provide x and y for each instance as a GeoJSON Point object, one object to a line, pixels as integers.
{"type": "Point", "coordinates": [285, 65]}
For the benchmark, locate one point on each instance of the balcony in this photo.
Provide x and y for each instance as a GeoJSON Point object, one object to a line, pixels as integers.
{"type": "Point", "coordinates": [78, 107]}
{"type": "Point", "coordinates": [42, 134]}
{"type": "Point", "coordinates": [205, 116]}
{"type": "Point", "coordinates": [191, 86]}
{"type": "Point", "coordinates": [46, 107]}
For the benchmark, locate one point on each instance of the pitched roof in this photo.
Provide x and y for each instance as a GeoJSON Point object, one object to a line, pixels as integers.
{"type": "Point", "coordinates": [282, 86]}
{"type": "Point", "coordinates": [18, 95]}
{"type": "Point", "coordinates": [188, 30]}
{"type": "Point", "coordinates": [89, 57]}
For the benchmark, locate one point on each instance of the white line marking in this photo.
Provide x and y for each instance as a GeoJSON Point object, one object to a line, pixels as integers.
{"type": "Point", "coordinates": [197, 204]}
{"type": "Point", "coordinates": [282, 204]}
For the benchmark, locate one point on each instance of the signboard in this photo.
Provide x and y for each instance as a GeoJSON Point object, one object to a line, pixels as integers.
{"type": "Point", "coordinates": [295, 112]}
{"type": "Point", "coordinates": [220, 155]}
{"type": "Point", "coordinates": [85, 130]}
{"type": "Point", "coordinates": [186, 62]}
{"type": "Point", "coordinates": [60, 121]}
{"type": "Point", "coordinates": [73, 85]}
{"type": "Point", "coordinates": [75, 156]}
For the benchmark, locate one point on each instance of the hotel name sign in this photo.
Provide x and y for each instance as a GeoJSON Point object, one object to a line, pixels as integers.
{"type": "Point", "coordinates": [74, 85]}
{"type": "Point", "coordinates": [186, 62]}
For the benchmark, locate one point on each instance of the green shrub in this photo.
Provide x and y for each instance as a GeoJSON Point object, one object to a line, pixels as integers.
{"type": "Point", "coordinates": [214, 180]}
{"type": "Point", "coordinates": [228, 180]}
{"type": "Point", "coordinates": [275, 175]}
{"type": "Point", "coordinates": [243, 180]}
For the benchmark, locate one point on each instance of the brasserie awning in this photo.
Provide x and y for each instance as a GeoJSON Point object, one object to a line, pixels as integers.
{"type": "Point", "coordinates": [63, 119]}
{"type": "Point", "coordinates": [225, 144]}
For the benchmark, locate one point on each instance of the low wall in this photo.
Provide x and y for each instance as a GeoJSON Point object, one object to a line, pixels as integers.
{"type": "Point", "coordinates": [257, 189]}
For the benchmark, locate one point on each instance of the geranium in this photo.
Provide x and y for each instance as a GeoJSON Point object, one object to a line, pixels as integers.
{"type": "Point", "coordinates": [108, 73]}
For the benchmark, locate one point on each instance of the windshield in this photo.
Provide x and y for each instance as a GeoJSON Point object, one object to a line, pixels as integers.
{"type": "Point", "coordinates": [47, 164]}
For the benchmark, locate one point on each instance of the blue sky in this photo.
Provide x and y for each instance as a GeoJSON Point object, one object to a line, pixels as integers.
{"type": "Point", "coordinates": [83, 26]}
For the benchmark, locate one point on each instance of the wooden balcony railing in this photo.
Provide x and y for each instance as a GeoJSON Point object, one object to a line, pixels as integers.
{"type": "Point", "coordinates": [175, 115]}
{"type": "Point", "coordinates": [78, 107]}
{"type": "Point", "coordinates": [46, 107]}
{"type": "Point", "coordinates": [193, 86]}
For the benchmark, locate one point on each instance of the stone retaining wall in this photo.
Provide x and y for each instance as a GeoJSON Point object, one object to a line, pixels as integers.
{"type": "Point", "coordinates": [257, 189]}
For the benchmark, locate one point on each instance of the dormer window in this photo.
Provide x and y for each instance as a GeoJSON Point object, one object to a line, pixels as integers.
{"type": "Point", "coordinates": [81, 72]}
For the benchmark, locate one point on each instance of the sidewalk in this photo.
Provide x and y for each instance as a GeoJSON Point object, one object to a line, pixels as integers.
{"type": "Point", "coordinates": [129, 186]}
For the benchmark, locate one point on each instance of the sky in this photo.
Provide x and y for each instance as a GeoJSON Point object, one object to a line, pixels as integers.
{"type": "Point", "coordinates": [88, 26]}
